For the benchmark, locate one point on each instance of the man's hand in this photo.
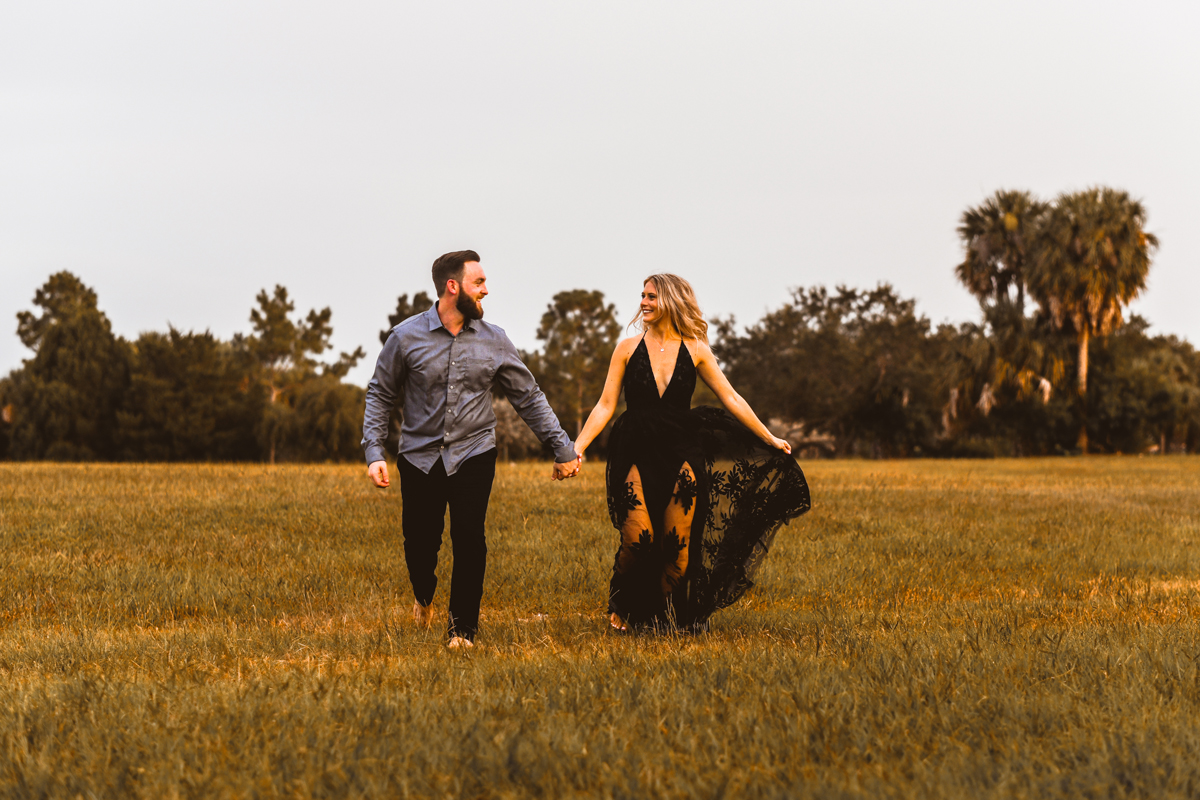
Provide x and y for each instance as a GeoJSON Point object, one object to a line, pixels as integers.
{"type": "Point", "coordinates": [378, 473]}
{"type": "Point", "coordinates": [567, 469]}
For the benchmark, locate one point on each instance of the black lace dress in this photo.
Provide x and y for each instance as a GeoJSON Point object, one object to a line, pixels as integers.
{"type": "Point", "coordinates": [697, 498]}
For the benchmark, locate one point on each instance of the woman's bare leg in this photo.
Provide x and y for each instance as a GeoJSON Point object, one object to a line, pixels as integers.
{"type": "Point", "coordinates": [678, 523]}
{"type": "Point", "coordinates": [635, 530]}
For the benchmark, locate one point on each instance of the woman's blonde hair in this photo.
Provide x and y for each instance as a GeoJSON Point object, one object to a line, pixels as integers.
{"type": "Point", "coordinates": [678, 302]}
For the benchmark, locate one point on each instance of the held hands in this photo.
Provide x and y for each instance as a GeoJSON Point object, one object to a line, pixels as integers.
{"type": "Point", "coordinates": [379, 474]}
{"type": "Point", "coordinates": [378, 471]}
{"type": "Point", "coordinates": [567, 469]}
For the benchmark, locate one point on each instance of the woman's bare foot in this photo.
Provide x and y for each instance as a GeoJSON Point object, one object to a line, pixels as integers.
{"type": "Point", "coordinates": [617, 623]}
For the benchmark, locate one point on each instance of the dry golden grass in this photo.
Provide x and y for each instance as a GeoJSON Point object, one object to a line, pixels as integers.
{"type": "Point", "coordinates": [930, 629]}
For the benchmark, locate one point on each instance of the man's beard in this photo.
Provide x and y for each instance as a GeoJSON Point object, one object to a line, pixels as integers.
{"type": "Point", "coordinates": [469, 308]}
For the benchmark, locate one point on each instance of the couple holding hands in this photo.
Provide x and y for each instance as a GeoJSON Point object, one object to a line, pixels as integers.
{"type": "Point", "coordinates": [697, 494]}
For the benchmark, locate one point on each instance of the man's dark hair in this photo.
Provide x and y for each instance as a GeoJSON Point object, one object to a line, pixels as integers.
{"type": "Point", "coordinates": [450, 267]}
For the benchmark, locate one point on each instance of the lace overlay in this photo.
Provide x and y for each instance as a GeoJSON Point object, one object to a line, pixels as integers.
{"type": "Point", "coordinates": [723, 490]}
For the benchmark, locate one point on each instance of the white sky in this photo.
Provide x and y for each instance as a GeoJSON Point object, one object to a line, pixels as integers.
{"type": "Point", "coordinates": [181, 156]}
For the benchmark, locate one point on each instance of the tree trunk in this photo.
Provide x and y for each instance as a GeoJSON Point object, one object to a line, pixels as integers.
{"type": "Point", "coordinates": [275, 392]}
{"type": "Point", "coordinates": [579, 412]}
{"type": "Point", "coordinates": [1081, 387]}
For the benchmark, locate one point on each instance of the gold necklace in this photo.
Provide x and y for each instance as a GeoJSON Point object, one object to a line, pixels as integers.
{"type": "Point", "coordinates": [664, 344]}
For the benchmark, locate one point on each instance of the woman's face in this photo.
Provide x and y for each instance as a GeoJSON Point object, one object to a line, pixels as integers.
{"type": "Point", "coordinates": [650, 310]}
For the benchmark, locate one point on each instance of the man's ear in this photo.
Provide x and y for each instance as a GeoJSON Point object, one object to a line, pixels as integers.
{"type": "Point", "coordinates": [451, 286]}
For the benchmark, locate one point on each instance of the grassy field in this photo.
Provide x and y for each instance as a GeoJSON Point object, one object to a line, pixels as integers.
{"type": "Point", "coordinates": [931, 629]}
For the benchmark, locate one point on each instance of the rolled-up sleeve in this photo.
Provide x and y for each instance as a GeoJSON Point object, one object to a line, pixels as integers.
{"type": "Point", "coordinates": [381, 399]}
{"type": "Point", "coordinates": [519, 386]}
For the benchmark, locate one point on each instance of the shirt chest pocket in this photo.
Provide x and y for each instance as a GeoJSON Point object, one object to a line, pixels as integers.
{"type": "Point", "coordinates": [475, 373]}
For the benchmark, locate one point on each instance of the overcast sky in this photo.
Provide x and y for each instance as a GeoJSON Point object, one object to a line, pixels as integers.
{"type": "Point", "coordinates": [181, 156]}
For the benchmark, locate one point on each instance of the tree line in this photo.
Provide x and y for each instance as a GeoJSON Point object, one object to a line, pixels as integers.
{"type": "Point", "coordinates": [86, 394]}
{"type": "Point", "coordinates": [1051, 366]}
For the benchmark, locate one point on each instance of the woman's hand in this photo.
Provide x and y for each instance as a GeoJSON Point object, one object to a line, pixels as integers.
{"type": "Point", "coordinates": [781, 444]}
{"type": "Point", "coordinates": [567, 469]}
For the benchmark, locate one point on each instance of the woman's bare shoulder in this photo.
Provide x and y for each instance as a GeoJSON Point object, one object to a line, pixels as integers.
{"type": "Point", "coordinates": [699, 350]}
{"type": "Point", "coordinates": [626, 347]}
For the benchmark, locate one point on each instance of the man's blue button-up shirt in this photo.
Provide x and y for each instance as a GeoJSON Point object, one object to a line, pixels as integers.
{"type": "Point", "coordinates": [447, 382]}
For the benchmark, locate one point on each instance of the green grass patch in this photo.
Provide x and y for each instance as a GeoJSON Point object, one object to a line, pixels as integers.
{"type": "Point", "coordinates": [930, 629]}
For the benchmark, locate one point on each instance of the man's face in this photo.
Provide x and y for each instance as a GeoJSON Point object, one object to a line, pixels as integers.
{"type": "Point", "coordinates": [471, 291]}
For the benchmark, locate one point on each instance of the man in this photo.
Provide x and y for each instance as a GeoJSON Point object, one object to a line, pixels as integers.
{"type": "Point", "coordinates": [447, 359]}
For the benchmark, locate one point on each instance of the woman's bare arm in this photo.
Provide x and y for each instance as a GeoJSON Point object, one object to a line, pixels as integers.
{"type": "Point", "coordinates": [607, 403]}
{"type": "Point", "coordinates": [710, 373]}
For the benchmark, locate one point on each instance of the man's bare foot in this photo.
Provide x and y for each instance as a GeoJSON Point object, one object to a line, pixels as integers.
{"type": "Point", "coordinates": [617, 623]}
{"type": "Point", "coordinates": [422, 615]}
{"type": "Point", "coordinates": [458, 641]}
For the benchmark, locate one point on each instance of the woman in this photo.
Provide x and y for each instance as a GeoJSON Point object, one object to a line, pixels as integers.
{"type": "Point", "coordinates": [697, 493]}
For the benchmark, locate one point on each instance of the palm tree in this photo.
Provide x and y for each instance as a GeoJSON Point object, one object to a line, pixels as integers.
{"type": "Point", "coordinates": [1091, 258]}
{"type": "Point", "coordinates": [998, 236]}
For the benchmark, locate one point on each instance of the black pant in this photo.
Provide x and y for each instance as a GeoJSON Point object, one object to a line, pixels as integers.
{"type": "Point", "coordinates": [424, 500]}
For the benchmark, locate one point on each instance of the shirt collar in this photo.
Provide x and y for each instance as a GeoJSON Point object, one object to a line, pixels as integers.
{"type": "Point", "coordinates": [435, 320]}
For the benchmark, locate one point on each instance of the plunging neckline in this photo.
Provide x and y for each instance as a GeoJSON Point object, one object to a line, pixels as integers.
{"type": "Point", "coordinates": [674, 368]}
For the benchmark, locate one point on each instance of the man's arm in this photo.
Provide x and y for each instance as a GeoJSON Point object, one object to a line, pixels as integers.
{"type": "Point", "coordinates": [381, 399]}
{"type": "Point", "coordinates": [522, 391]}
